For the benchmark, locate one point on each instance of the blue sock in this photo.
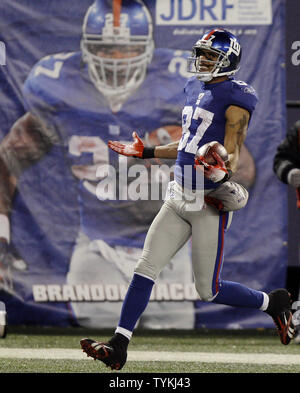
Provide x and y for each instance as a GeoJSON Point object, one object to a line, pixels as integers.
{"type": "Point", "coordinates": [135, 302]}
{"type": "Point", "coordinates": [238, 295]}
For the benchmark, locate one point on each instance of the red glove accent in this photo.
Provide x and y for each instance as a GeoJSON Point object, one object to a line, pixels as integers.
{"type": "Point", "coordinates": [135, 149]}
{"type": "Point", "coordinates": [214, 173]}
{"type": "Point", "coordinates": [214, 202]}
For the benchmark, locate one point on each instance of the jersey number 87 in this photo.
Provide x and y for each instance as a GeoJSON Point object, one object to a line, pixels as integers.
{"type": "Point", "coordinates": [189, 114]}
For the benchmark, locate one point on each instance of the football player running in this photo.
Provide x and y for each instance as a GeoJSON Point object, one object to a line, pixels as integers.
{"type": "Point", "coordinates": [218, 108]}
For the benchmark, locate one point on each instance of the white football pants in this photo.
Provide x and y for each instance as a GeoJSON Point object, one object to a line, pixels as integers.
{"type": "Point", "coordinates": [178, 220]}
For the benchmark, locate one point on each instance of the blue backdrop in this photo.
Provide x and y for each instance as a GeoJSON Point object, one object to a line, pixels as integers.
{"type": "Point", "coordinates": [45, 219]}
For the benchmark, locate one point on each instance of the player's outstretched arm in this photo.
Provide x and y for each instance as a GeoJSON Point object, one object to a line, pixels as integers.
{"type": "Point", "coordinates": [27, 141]}
{"type": "Point", "coordinates": [237, 120]}
{"type": "Point", "coordinates": [138, 149]}
{"type": "Point", "coordinates": [135, 149]}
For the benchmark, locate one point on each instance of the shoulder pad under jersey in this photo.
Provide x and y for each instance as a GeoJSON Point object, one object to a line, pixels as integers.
{"type": "Point", "coordinates": [243, 95]}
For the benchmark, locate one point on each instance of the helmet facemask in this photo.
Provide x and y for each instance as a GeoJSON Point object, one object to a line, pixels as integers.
{"type": "Point", "coordinates": [117, 46]}
{"type": "Point", "coordinates": [118, 54]}
{"type": "Point", "coordinates": [116, 75]}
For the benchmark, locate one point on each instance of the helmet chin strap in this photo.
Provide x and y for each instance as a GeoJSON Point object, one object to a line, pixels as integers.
{"type": "Point", "coordinates": [208, 76]}
{"type": "Point", "coordinates": [116, 103]}
{"type": "Point", "coordinates": [117, 99]}
{"type": "Point", "coordinates": [205, 77]}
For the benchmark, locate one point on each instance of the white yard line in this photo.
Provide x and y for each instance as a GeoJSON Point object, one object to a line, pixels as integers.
{"type": "Point", "coordinates": [204, 357]}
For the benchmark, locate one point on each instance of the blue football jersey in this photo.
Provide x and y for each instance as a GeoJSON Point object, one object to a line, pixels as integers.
{"type": "Point", "coordinates": [203, 121]}
{"type": "Point", "coordinates": [59, 91]}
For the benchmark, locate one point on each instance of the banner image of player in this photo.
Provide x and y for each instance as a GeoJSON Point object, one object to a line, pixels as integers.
{"type": "Point", "coordinates": [114, 67]}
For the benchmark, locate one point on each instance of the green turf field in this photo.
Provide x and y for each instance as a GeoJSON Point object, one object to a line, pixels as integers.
{"type": "Point", "coordinates": [22, 352]}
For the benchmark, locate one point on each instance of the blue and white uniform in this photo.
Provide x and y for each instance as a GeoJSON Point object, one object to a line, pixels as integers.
{"type": "Point", "coordinates": [184, 215]}
{"type": "Point", "coordinates": [203, 121]}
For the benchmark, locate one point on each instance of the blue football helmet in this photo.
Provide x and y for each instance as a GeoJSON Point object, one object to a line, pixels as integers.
{"type": "Point", "coordinates": [217, 53]}
{"type": "Point", "coordinates": [117, 45]}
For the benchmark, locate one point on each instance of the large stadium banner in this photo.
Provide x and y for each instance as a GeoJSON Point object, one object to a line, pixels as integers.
{"type": "Point", "coordinates": [74, 213]}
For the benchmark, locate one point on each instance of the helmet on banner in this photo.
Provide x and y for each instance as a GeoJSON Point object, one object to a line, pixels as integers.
{"type": "Point", "coordinates": [217, 53]}
{"type": "Point", "coordinates": [117, 45]}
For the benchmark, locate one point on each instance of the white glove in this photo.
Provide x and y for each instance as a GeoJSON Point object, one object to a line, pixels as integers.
{"type": "Point", "coordinates": [293, 177]}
